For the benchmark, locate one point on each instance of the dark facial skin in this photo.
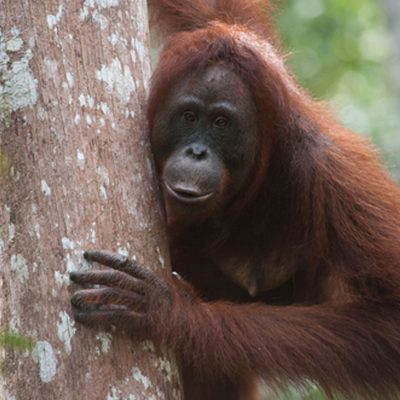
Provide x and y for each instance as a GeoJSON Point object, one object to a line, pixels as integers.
{"type": "Point", "coordinates": [204, 140]}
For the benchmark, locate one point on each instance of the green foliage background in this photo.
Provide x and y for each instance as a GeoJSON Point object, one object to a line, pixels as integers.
{"type": "Point", "coordinates": [340, 50]}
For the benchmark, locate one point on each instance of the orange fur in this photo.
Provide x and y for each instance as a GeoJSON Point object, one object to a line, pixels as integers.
{"type": "Point", "coordinates": [317, 188]}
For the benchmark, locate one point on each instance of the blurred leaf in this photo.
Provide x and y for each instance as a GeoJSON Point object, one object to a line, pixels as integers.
{"type": "Point", "coordinates": [15, 341]}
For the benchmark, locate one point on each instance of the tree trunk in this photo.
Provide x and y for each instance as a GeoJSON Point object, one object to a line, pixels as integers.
{"type": "Point", "coordinates": [75, 173]}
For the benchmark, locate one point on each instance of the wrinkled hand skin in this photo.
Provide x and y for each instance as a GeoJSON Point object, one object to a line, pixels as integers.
{"type": "Point", "coordinates": [130, 297]}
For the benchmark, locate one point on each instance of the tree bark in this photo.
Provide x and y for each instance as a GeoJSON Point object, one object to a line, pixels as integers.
{"type": "Point", "coordinates": [75, 173]}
